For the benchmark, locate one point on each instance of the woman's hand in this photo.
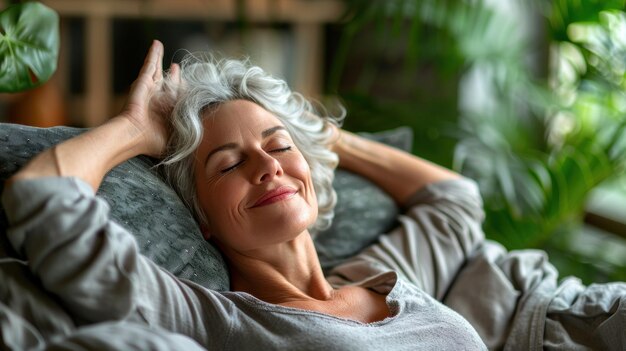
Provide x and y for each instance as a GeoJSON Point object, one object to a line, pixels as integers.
{"type": "Point", "coordinates": [141, 128]}
{"type": "Point", "coordinates": [150, 102]}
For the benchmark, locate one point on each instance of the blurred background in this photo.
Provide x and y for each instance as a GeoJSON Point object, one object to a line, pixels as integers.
{"type": "Point", "coordinates": [527, 97]}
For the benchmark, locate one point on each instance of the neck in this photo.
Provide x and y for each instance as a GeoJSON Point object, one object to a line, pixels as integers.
{"type": "Point", "coordinates": [283, 273]}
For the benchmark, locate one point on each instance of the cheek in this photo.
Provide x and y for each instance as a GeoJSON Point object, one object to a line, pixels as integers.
{"type": "Point", "coordinates": [302, 171]}
{"type": "Point", "coordinates": [223, 199]}
{"type": "Point", "coordinates": [218, 200]}
{"type": "Point", "coordinates": [300, 168]}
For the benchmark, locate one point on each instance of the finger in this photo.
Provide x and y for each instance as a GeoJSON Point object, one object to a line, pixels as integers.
{"type": "Point", "coordinates": [158, 74]}
{"type": "Point", "coordinates": [174, 80]}
{"type": "Point", "coordinates": [175, 73]}
{"type": "Point", "coordinates": [150, 62]}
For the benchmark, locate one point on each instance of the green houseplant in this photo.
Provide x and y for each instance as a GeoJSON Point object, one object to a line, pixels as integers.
{"type": "Point", "coordinates": [548, 133]}
{"type": "Point", "coordinates": [29, 46]}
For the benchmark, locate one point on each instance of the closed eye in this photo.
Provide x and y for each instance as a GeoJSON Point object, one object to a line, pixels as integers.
{"type": "Point", "coordinates": [282, 149]}
{"type": "Point", "coordinates": [228, 169]}
{"type": "Point", "coordinates": [233, 167]}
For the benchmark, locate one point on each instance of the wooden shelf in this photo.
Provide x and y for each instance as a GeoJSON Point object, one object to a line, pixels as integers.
{"type": "Point", "coordinates": [306, 19]}
{"type": "Point", "coordinates": [317, 11]}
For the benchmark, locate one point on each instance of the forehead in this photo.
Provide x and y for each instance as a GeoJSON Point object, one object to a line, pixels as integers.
{"type": "Point", "coordinates": [238, 117]}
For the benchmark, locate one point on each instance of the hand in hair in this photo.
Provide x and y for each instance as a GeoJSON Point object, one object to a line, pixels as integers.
{"type": "Point", "coordinates": [141, 128]}
{"type": "Point", "coordinates": [150, 101]}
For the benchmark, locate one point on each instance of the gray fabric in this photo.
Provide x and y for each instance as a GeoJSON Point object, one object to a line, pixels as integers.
{"type": "Point", "coordinates": [586, 318]}
{"type": "Point", "coordinates": [126, 336]}
{"type": "Point", "coordinates": [16, 333]}
{"type": "Point", "coordinates": [512, 299]}
{"type": "Point", "coordinates": [505, 295]}
{"type": "Point", "coordinates": [515, 302]}
{"type": "Point", "coordinates": [21, 293]}
{"type": "Point", "coordinates": [94, 267]}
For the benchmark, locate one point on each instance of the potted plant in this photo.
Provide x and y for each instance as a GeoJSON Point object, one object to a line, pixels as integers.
{"type": "Point", "coordinates": [29, 46]}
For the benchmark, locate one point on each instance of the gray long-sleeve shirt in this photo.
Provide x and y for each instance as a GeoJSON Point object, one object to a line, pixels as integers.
{"type": "Point", "coordinates": [93, 266]}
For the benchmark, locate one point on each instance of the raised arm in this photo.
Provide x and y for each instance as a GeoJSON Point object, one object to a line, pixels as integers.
{"type": "Point", "coordinates": [399, 173]}
{"type": "Point", "coordinates": [441, 226]}
{"type": "Point", "coordinates": [139, 129]}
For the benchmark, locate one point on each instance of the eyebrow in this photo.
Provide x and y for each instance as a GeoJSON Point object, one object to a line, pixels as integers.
{"type": "Point", "coordinates": [271, 131]}
{"type": "Point", "coordinates": [229, 146]}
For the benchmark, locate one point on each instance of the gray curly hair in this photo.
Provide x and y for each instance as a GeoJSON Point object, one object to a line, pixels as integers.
{"type": "Point", "coordinates": [209, 82]}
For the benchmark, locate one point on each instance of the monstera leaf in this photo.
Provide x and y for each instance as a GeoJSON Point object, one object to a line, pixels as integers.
{"type": "Point", "coordinates": [29, 46]}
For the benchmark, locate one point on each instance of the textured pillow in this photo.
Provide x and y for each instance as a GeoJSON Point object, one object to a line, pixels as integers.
{"type": "Point", "coordinates": [166, 231]}
{"type": "Point", "coordinates": [140, 201]}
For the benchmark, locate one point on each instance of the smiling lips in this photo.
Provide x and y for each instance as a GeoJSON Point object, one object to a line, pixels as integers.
{"type": "Point", "coordinates": [283, 192]}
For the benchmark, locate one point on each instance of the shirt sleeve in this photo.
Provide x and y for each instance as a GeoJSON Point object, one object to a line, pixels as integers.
{"type": "Point", "coordinates": [436, 234]}
{"type": "Point", "coordinates": [94, 267]}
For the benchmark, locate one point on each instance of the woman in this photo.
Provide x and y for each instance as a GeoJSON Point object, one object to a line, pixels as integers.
{"type": "Point", "coordinates": [257, 190]}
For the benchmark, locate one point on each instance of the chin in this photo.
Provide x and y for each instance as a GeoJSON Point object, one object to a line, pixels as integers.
{"type": "Point", "coordinates": [290, 223]}
{"type": "Point", "coordinates": [296, 222]}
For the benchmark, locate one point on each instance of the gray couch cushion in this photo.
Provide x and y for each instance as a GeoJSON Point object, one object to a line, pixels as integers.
{"type": "Point", "coordinates": [165, 230]}
{"type": "Point", "coordinates": [140, 201]}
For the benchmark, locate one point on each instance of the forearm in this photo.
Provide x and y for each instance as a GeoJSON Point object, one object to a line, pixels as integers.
{"type": "Point", "coordinates": [399, 173]}
{"type": "Point", "coordinates": [88, 156]}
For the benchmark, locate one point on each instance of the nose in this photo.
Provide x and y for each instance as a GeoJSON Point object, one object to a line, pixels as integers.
{"type": "Point", "coordinates": [267, 168]}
